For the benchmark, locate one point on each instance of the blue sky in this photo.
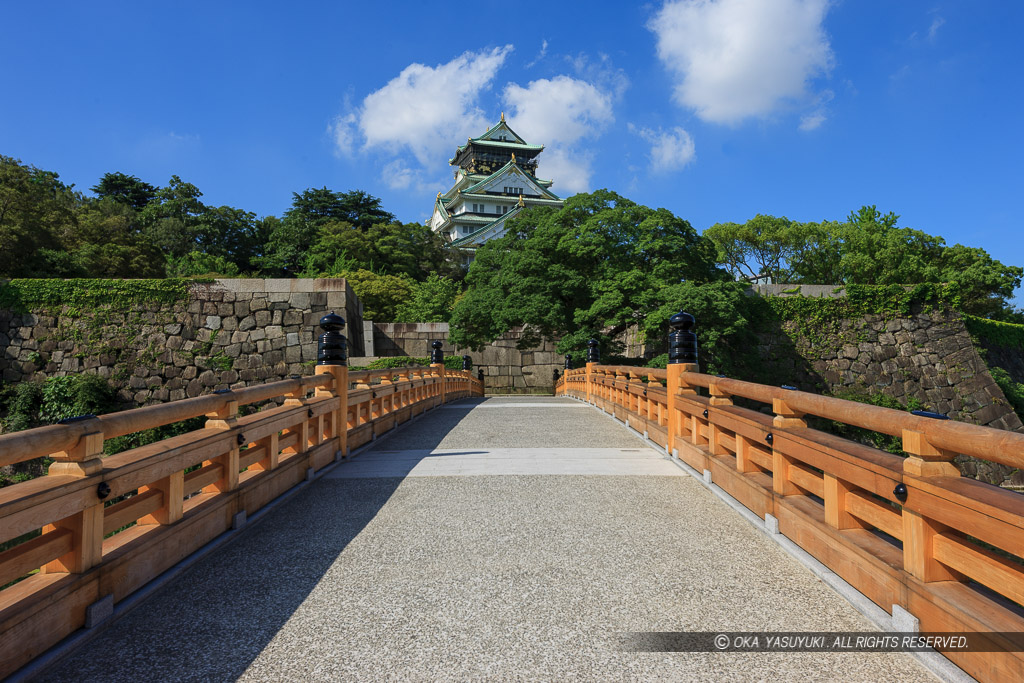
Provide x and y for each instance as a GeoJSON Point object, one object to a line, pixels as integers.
{"type": "Point", "coordinates": [715, 110]}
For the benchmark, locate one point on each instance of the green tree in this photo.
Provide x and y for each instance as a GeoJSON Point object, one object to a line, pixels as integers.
{"type": "Point", "coordinates": [199, 264]}
{"type": "Point", "coordinates": [591, 269]}
{"type": "Point", "coordinates": [381, 294]}
{"type": "Point", "coordinates": [126, 189]}
{"type": "Point", "coordinates": [107, 241]}
{"type": "Point", "coordinates": [36, 214]}
{"type": "Point", "coordinates": [171, 221]}
{"type": "Point", "coordinates": [432, 301]}
{"type": "Point", "coordinates": [315, 206]}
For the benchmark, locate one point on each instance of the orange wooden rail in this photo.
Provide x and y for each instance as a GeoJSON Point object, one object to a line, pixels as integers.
{"type": "Point", "coordinates": [948, 550]}
{"type": "Point", "coordinates": [89, 550]}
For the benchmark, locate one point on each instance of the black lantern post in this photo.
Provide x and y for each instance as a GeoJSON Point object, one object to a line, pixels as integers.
{"type": "Point", "coordinates": [467, 363]}
{"type": "Point", "coordinates": [682, 341]}
{"type": "Point", "coordinates": [568, 362]}
{"type": "Point", "coordinates": [332, 346]}
{"type": "Point", "coordinates": [437, 355]}
{"type": "Point", "coordinates": [593, 352]}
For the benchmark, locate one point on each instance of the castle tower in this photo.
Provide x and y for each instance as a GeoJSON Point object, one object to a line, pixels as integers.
{"type": "Point", "coordinates": [494, 180]}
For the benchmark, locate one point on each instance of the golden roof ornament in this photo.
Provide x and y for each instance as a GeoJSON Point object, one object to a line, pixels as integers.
{"type": "Point", "coordinates": [521, 201]}
{"type": "Point", "coordinates": [502, 116]}
{"type": "Point", "coordinates": [438, 195]}
{"type": "Point", "coordinates": [513, 157]}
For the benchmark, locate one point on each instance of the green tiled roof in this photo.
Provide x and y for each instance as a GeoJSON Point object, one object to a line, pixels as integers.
{"type": "Point", "coordinates": [462, 241]}
{"type": "Point", "coordinates": [469, 190]}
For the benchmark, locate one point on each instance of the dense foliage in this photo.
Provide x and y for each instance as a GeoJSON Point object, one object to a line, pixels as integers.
{"type": "Point", "coordinates": [132, 229]}
{"type": "Point", "coordinates": [590, 269]}
{"type": "Point", "coordinates": [870, 249]}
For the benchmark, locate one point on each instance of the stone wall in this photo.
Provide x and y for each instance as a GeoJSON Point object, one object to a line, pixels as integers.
{"type": "Point", "coordinates": [225, 333]}
{"type": "Point", "coordinates": [506, 369]}
{"type": "Point", "coordinates": [929, 357]}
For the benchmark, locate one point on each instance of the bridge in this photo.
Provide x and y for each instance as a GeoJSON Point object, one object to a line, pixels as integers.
{"type": "Point", "coordinates": [397, 523]}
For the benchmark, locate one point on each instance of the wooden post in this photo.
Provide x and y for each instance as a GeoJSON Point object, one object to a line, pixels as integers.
{"type": "Point", "coordinates": [86, 526]}
{"type": "Point", "coordinates": [589, 381]}
{"type": "Point", "coordinates": [297, 399]}
{"type": "Point", "coordinates": [718, 398]}
{"type": "Point", "coordinates": [836, 493]}
{"type": "Point", "coordinates": [339, 389]}
{"type": "Point", "coordinates": [743, 463]}
{"type": "Point", "coordinates": [438, 369]}
{"type": "Point", "coordinates": [172, 490]}
{"type": "Point", "coordinates": [925, 460]}
{"type": "Point", "coordinates": [82, 459]}
{"type": "Point", "coordinates": [676, 387]}
{"type": "Point", "coordinates": [785, 418]}
{"type": "Point", "coordinates": [225, 418]}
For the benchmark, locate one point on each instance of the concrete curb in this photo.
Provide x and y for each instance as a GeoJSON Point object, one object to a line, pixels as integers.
{"type": "Point", "coordinates": [932, 660]}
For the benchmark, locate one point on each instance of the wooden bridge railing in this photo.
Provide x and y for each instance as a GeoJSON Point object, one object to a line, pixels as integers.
{"type": "Point", "coordinates": [908, 532]}
{"type": "Point", "coordinates": [176, 494]}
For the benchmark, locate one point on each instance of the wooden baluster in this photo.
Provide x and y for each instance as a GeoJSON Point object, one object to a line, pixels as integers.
{"type": "Point", "coordinates": [836, 493]}
{"type": "Point", "coordinates": [785, 418]}
{"type": "Point", "coordinates": [402, 393]}
{"type": "Point", "coordinates": [225, 418]}
{"type": "Point", "coordinates": [86, 525]}
{"type": "Point", "coordinates": [718, 398]}
{"type": "Point", "coordinates": [363, 407]}
{"type": "Point", "coordinates": [637, 403]}
{"type": "Point", "coordinates": [743, 462]}
{"type": "Point", "coordinates": [172, 490]}
{"type": "Point", "coordinates": [919, 532]}
{"type": "Point", "coordinates": [297, 399]}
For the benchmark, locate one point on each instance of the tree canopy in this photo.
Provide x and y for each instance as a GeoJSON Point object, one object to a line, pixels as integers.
{"type": "Point", "coordinates": [868, 248]}
{"type": "Point", "coordinates": [590, 269]}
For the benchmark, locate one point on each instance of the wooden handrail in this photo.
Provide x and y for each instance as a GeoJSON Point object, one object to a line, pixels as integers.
{"type": "Point", "coordinates": [906, 531]}
{"type": "Point", "coordinates": [236, 464]}
{"type": "Point", "coordinates": [995, 445]}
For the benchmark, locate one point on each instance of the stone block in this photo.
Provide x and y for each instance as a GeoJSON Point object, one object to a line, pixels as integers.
{"type": "Point", "coordinates": [247, 323]}
{"type": "Point", "coordinates": [262, 318]}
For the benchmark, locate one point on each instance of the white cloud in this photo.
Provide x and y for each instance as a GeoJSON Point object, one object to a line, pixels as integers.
{"type": "Point", "coordinates": [398, 175]}
{"type": "Point", "coordinates": [819, 115]}
{"type": "Point", "coordinates": [540, 55]}
{"type": "Point", "coordinates": [933, 30]}
{"type": "Point", "coordinates": [670, 150]}
{"type": "Point", "coordinates": [558, 113]}
{"type": "Point", "coordinates": [343, 132]}
{"type": "Point", "coordinates": [424, 110]}
{"type": "Point", "coordinates": [812, 120]}
{"type": "Point", "coordinates": [736, 59]}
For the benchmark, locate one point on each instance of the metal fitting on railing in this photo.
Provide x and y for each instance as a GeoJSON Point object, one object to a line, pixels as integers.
{"type": "Point", "coordinates": [467, 363]}
{"type": "Point", "coordinates": [593, 351]}
{"type": "Point", "coordinates": [332, 347]}
{"type": "Point", "coordinates": [436, 355]}
{"type": "Point", "coordinates": [682, 342]}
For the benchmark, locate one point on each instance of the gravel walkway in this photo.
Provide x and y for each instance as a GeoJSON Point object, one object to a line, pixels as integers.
{"type": "Point", "coordinates": [512, 576]}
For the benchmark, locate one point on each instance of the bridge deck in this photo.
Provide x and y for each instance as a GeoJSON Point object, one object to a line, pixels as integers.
{"type": "Point", "coordinates": [403, 564]}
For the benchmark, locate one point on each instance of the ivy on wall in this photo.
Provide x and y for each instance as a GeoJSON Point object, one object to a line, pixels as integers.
{"type": "Point", "coordinates": [27, 295]}
{"type": "Point", "coordinates": [996, 333]}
